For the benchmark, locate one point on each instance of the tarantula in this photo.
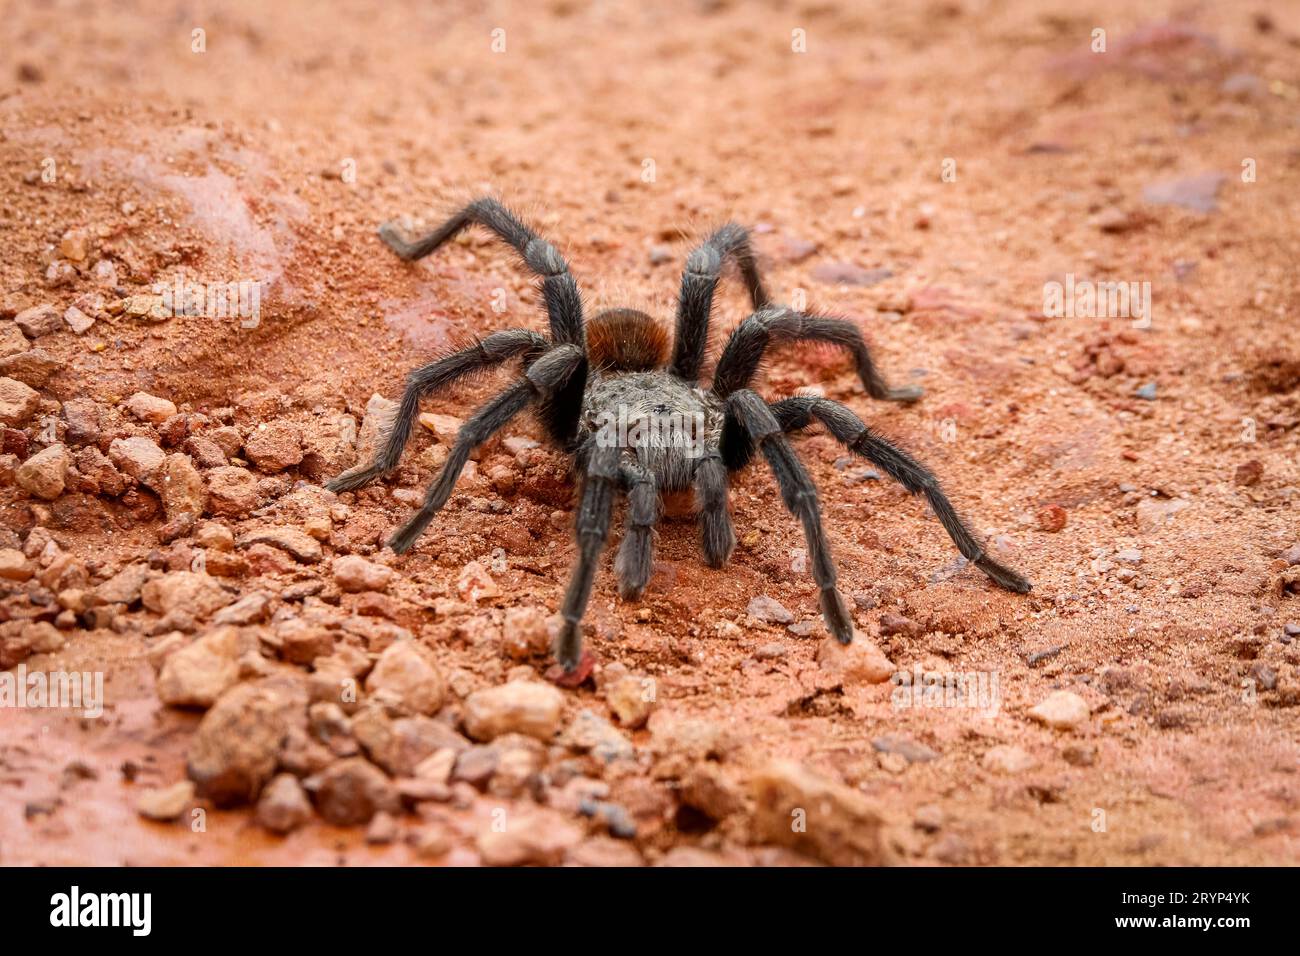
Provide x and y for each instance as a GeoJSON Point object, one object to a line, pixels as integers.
{"type": "Point", "coordinates": [604, 388]}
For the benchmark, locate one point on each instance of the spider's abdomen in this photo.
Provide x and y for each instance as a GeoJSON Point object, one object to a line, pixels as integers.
{"type": "Point", "coordinates": [663, 425]}
{"type": "Point", "coordinates": [626, 340]}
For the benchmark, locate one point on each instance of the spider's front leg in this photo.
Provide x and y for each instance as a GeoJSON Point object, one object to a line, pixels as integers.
{"type": "Point", "coordinates": [635, 558]}
{"type": "Point", "coordinates": [428, 379]}
{"type": "Point", "coordinates": [591, 529]}
{"type": "Point", "coordinates": [799, 412]}
{"type": "Point", "coordinates": [699, 282]}
{"type": "Point", "coordinates": [748, 345]}
{"type": "Point", "coordinates": [563, 304]}
{"type": "Point", "coordinates": [543, 379]}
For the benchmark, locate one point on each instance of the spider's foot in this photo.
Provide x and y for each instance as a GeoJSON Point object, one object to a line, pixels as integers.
{"type": "Point", "coordinates": [836, 615]}
{"type": "Point", "coordinates": [717, 538]}
{"type": "Point", "coordinates": [392, 237]}
{"type": "Point", "coordinates": [1004, 576]}
{"type": "Point", "coordinates": [631, 590]}
{"type": "Point", "coordinates": [568, 646]}
{"type": "Point", "coordinates": [409, 533]}
{"type": "Point", "coordinates": [353, 479]}
{"type": "Point", "coordinates": [904, 393]}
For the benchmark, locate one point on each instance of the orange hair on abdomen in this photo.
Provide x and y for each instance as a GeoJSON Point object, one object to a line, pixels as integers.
{"type": "Point", "coordinates": [626, 340]}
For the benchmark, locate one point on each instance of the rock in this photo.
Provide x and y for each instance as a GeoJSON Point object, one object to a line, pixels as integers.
{"type": "Point", "coordinates": [167, 803]}
{"type": "Point", "coordinates": [283, 806]}
{"type": "Point", "coordinates": [604, 851]}
{"type": "Point", "coordinates": [1129, 556]}
{"type": "Point", "coordinates": [1199, 193]}
{"type": "Point", "coordinates": [817, 817]}
{"type": "Point", "coordinates": [150, 408]}
{"type": "Point", "coordinates": [444, 427]}
{"type": "Point", "coordinates": [913, 751]}
{"type": "Point", "coordinates": [1115, 220]}
{"type": "Point", "coordinates": [354, 573]}
{"type": "Point", "coordinates": [631, 699]}
{"type": "Point", "coordinates": [846, 273]}
{"type": "Point", "coordinates": [205, 452]}
{"type": "Point", "coordinates": [78, 321]}
{"type": "Point", "coordinates": [408, 675]}
{"type": "Point", "coordinates": [1248, 473]}
{"type": "Point", "coordinates": [302, 642]}
{"type": "Point", "coordinates": [125, 586]}
{"type": "Point", "coordinates": [235, 749]}
{"type": "Point", "coordinates": [181, 488]}
{"type": "Point", "coordinates": [525, 632]}
{"type": "Point", "coordinates": [301, 545]}
{"type": "Point", "coordinates": [891, 624]}
{"type": "Point", "coordinates": [18, 403]}
{"type": "Point", "coordinates": [249, 609]}
{"type": "Point", "coordinates": [374, 425]}
{"type": "Point", "coordinates": [137, 456]}
{"type": "Point", "coordinates": [382, 829]}
{"type": "Point", "coordinates": [351, 791]}
{"type": "Point", "coordinates": [524, 707]}
{"type": "Point", "coordinates": [83, 418]}
{"type": "Point", "coordinates": [591, 733]}
{"type": "Point", "coordinates": [196, 594]}
{"type": "Point", "coordinates": [232, 491]}
{"type": "Point", "coordinates": [195, 676]}
{"type": "Point", "coordinates": [14, 565]}
{"type": "Point", "coordinates": [275, 446]}
{"type": "Point", "coordinates": [12, 340]}
{"type": "Point", "coordinates": [688, 739]}
{"type": "Point", "coordinates": [540, 837]}
{"type": "Point", "coordinates": [475, 584]}
{"type": "Point", "coordinates": [45, 474]}
{"type": "Point", "coordinates": [35, 367]}
{"type": "Point", "coordinates": [1062, 710]}
{"type": "Point", "coordinates": [402, 746]}
{"type": "Point", "coordinates": [859, 662]}
{"type": "Point", "coordinates": [1147, 392]}
{"type": "Point", "coordinates": [768, 610]}
{"type": "Point", "coordinates": [215, 537]}
{"type": "Point", "coordinates": [38, 320]}
{"type": "Point", "coordinates": [476, 765]}
{"type": "Point", "coordinates": [1154, 513]}
{"type": "Point", "coordinates": [707, 789]}
{"type": "Point", "coordinates": [1007, 759]}
{"type": "Point", "coordinates": [42, 637]}
{"type": "Point", "coordinates": [1051, 519]}
{"type": "Point", "coordinates": [228, 439]}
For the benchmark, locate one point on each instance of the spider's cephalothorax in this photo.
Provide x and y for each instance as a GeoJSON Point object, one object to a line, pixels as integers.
{"type": "Point", "coordinates": [636, 419]}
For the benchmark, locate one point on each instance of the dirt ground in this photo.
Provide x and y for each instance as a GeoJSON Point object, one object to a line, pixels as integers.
{"type": "Point", "coordinates": [927, 169]}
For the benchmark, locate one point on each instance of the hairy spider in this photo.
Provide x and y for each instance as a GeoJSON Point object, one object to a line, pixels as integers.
{"type": "Point", "coordinates": [636, 421]}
